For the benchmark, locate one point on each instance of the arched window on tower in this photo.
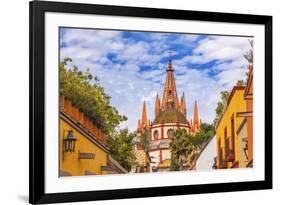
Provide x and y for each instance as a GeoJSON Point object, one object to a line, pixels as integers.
{"type": "Point", "coordinates": [156, 135]}
{"type": "Point", "coordinates": [170, 133]}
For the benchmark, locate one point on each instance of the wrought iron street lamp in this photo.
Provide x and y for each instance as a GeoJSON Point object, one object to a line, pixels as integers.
{"type": "Point", "coordinates": [69, 142]}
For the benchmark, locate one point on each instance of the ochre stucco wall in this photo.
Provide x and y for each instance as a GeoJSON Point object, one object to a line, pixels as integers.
{"type": "Point", "coordinates": [236, 104]}
{"type": "Point", "coordinates": [70, 163]}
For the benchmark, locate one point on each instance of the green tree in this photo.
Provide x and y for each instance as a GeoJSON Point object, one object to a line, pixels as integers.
{"type": "Point", "coordinates": [174, 165]}
{"type": "Point", "coordinates": [205, 133]}
{"type": "Point", "coordinates": [121, 145]}
{"type": "Point", "coordinates": [240, 83]}
{"type": "Point", "coordinates": [186, 147]}
{"type": "Point", "coordinates": [180, 148]}
{"type": "Point", "coordinates": [144, 140]}
{"type": "Point", "coordinates": [199, 139]}
{"type": "Point", "coordinates": [84, 91]}
{"type": "Point", "coordinates": [220, 105]}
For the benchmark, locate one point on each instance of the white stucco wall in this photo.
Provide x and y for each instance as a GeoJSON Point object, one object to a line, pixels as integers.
{"type": "Point", "coordinates": [166, 154]}
{"type": "Point", "coordinates": [162, 143]}
{"type": "Point", "coordinates": [206, 158]}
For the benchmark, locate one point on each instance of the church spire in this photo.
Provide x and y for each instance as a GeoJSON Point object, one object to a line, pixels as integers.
{"type": "Point", "coordinates": [183, 105]}
{"type": "Point", "coordinates": [157, 105]}
{"type": "Point", "coordinates": [143, 118]}
{"type": "Point", "coordinates": [195, 115]}
{"type": "Point", "coordinates": [170, 98]}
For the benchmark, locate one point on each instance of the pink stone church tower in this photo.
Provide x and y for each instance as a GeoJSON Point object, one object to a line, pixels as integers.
{"type": "Point", "coordinates": [170, 114]}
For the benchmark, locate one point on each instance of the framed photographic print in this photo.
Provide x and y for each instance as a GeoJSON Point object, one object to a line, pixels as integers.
{"type": "Point", "coordinates": [140, 102]}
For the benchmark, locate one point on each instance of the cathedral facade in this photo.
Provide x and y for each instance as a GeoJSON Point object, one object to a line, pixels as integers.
{"type": "Point", "coordinates": [170, 114]}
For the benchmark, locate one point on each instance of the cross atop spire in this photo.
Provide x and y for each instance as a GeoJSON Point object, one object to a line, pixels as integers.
{"type": "Point", "coordinates": [170, 61]}
{"type": "Point", "coordinates": [170, 55]}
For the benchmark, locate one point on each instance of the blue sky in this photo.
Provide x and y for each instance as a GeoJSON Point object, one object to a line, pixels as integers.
{"type": "Point", "coordinates": [131, 66]}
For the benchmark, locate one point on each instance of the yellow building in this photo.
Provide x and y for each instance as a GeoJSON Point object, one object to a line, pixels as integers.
{"type": "Point", "coordinates": [229, 152]}
{"type": "Point", "coordinates": [245, 130]}
{"type": "Point", "coordinates": [83, 150]}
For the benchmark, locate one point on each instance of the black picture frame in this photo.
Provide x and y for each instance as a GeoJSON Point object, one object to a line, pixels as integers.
{"type": "Point", "coordinates": [37, 11]}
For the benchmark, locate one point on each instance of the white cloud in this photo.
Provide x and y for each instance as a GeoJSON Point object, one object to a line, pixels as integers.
{"type": "Point", "coordinates": [128, 86]}
{"type": "Point", "coordinates": [222, 48]}
{"type": "Point", "coordinates": [150, 97]}
{"type": "Point", "coordinates": [197, 85]}
{"type": "Point", "coordinates": [153, 74]}
{"type": "Point", "coordinates": [229, 77]}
